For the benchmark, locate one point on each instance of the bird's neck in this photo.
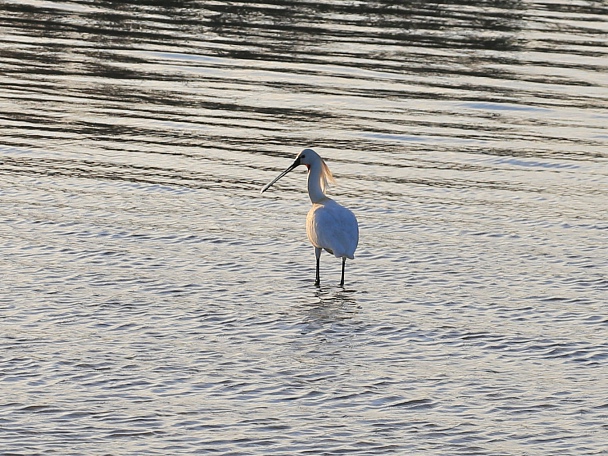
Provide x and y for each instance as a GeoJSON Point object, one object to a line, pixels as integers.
{"type": "Point", "coordinates": [315, 192]}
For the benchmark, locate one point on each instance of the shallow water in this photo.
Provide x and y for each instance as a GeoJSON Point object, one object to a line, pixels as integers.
{"type": "Point", "coordinates": [155, 303]}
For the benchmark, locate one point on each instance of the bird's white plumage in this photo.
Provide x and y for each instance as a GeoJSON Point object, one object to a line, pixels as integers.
{"type": "Point", "coordinates": [332, 227]}
{"type": "Point", "coordinates": [329, 226]}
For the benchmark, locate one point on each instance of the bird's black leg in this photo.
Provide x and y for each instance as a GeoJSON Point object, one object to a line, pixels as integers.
{"type": "Point", "coordinates": [317, 277]}
{"type": "Point", "coordinates": [343, 264]}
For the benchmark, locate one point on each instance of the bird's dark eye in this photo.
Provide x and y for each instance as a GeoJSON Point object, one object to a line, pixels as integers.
{"type": "Point", "coordinates": [302, 156]}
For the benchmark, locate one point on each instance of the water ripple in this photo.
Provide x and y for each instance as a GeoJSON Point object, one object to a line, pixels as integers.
{"type": "Point", "coordinates": [155, 303]}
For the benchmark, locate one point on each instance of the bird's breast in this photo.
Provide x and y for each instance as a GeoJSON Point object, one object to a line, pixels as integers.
{"type": "Point", "coordinates": [332, 227]}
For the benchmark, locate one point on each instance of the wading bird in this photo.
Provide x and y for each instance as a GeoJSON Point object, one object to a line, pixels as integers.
{"type": "Point", "coordinates": [329, 226]}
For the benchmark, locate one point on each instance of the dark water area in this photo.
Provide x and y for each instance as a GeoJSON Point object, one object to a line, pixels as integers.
{"type": "Point", "coordinates": [154, 302]}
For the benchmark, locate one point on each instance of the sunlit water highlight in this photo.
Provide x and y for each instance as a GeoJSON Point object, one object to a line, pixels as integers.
{"type": "Point", "coordinates": [153, 302]}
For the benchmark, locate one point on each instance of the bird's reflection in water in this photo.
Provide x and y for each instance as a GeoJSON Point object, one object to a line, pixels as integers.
{"type": "Point", "coordinates": [331, 312]}
{"type": "Point", "coordinates": [328, 326]}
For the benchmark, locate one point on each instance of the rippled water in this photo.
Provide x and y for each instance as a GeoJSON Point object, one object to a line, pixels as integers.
{"type": "Point", "coordinates": [155, 303]}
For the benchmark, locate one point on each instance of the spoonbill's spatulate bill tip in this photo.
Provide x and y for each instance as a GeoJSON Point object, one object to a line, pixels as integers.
{"type": "Point", "coordinates": [329, 226]}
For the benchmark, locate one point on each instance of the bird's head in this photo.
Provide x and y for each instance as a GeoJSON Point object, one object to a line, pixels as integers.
{"type": "Point", "coordinates": [307, 157]}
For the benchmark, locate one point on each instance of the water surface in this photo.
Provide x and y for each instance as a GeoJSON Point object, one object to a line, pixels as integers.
{"type": "Point", "coordinates": [155, 303]}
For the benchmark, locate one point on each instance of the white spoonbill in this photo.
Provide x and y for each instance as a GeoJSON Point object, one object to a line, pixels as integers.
{"type": "Point", "coordinates": [329, 226]}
